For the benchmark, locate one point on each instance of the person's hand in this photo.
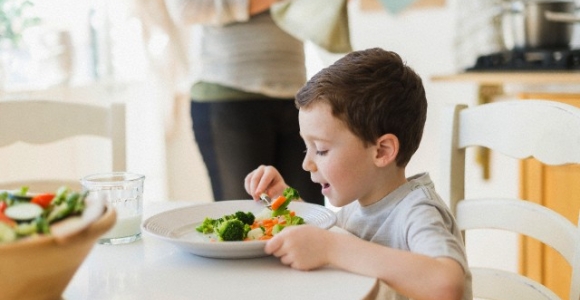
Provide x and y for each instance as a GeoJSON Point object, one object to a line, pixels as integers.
{"type": "Point", "coordinates": [264, 179]}
{"type": "Point", "coordinates": [302, 247]}
{"type": "Point", "coordinates": [259, 6]}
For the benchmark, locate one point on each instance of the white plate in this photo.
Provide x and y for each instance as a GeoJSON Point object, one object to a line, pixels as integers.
{"type": "Point", "coordinates": [177, 226]}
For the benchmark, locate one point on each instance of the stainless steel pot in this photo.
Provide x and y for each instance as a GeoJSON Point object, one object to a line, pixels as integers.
{"type": "Point", "coordinates": [538, 24]}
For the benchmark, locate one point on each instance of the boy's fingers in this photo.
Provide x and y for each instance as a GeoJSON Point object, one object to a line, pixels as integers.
{"type": "Point", "coordinates": [272, 245]}
{"type": "Point", "coordinates": [252, 182]}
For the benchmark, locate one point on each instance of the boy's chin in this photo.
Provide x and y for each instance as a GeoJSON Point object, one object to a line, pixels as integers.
{"type": "Point", "coordinates": [335, 202]}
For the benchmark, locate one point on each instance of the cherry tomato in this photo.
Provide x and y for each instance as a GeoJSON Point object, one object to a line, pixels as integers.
{"type": "Point", "coordinates": [7, 220]}
{"type": "Point", "coordinates": [43, 199]}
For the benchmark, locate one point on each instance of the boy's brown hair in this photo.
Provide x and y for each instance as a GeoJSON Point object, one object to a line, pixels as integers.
{"type": "Point", "coordinates": [374, 93]}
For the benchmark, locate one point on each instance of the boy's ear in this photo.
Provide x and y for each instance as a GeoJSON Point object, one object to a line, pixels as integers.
{"type": "Point", "coordinates": [387, 147]}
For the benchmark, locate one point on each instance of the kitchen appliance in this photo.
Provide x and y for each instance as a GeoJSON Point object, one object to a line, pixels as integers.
{"type": "Point", "coordinates": [529, 60]}
{"type": "Point", "coordinates": [537, 35]}
{"type": "Point", "coordinates": [537, 24]}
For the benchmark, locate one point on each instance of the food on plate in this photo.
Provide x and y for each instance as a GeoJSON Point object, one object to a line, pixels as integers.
{"type": "Point", "coordinates": [233, 227]}
{"type": "Point", "coordinates": [245, 226]}
{"type": "Point", "coordinates": [25, 215]}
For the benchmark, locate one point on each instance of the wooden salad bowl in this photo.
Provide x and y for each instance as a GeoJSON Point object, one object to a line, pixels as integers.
{"type": "Point", "coordinates": [41, 267]}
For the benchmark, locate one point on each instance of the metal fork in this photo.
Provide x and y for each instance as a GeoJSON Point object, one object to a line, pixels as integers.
{"type": "Point", "coordinates": [266, 199]}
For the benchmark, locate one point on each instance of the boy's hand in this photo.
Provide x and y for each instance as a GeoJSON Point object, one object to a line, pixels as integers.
{"type": "Point", "coordinates": [264, 179]}
{"type": "Point", "coordinates": [301, 247]}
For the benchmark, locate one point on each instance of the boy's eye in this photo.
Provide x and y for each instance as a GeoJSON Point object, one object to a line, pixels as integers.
{"type": "Point", "coordinates": [321, 153]}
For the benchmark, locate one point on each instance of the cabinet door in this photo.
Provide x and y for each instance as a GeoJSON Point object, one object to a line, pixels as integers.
{"type": "Point", "coordinates": [556, 187]}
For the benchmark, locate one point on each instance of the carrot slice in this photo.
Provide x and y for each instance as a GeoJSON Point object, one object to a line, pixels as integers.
{"type": "Point", "coordinates": [278, 202]}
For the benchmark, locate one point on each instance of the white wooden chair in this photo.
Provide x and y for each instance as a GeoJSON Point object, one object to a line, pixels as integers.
{"type": "Point", "coordinates": [546, 130]}
{"type": "Point", "coordinates": [42, 122]}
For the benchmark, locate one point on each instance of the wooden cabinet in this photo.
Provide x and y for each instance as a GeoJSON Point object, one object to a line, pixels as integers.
{"type": "Point", "coordinates": [559, 189]}
{"type": "Point", "coordinates": [555, 187]}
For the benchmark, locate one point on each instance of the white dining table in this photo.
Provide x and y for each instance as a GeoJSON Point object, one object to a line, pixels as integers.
{"type": "Point", "coordinates": [155, 269]}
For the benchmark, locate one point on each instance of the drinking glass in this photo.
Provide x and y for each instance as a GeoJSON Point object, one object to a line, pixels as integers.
{"type": "Point", "coordinates": [124, 192]}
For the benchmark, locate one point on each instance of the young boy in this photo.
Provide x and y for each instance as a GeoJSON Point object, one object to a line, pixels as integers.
{"type": "Point", "coordinates": [362, 119]}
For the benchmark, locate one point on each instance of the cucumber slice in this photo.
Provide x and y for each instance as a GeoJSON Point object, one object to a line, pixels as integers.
{"type": "Point", "coordinates": [19, 198]}
{"type": "Point", "coordinates": [7, 234]}
{"type": "Point", "coordinates": [23, 211]}
{"type": "Point", "coordinates": [25, 229]}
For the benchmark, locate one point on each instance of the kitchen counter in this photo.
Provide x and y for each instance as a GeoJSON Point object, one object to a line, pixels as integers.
{"type": "Point", "coordinates": [502, 77]}
{"type": "Point", "coordinates": [491, 84]}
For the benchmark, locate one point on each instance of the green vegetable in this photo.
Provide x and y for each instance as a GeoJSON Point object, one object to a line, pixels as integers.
{"type": "Point", "coordinates": [23, 191]}
{"type": "Point", "coordinates": [277, 228]}
{"type": "Point", "coordinates": [31, 219]}
{"type": "Point", "coordinates": [64, 205]}
{"type": "Point", "coordinates": [207, 226]}
{"type": "Point", "coordinates": [60, 196]}
{"type": "Point", "coordinates": [19, 195]}
{"type": "Point", "coordinates": [25, 229]}
{"type": "Point", "coordinates": [42, 225]}
{"type": "Point", "coordinates": [290, 194]}
{"type": "Point", "coordinates": [245, 217]}
{"type": "Point", "coordinates": [296, 220]}
{"type": "Point", "coordinates": [3, 195]}
{"type": "Point", "coordinates": [232, 230]}
{"type": "Point", "coordinates": [7, 234]}
{"type": "Point", "coordinates": [233, 227]}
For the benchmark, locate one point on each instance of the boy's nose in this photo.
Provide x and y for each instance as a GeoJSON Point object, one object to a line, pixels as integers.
{"type": "Point", "coordinates": [308, 165]}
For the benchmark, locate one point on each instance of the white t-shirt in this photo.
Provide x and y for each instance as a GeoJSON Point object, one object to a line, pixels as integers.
{"type": "Point", "coordinates": [412, 218]}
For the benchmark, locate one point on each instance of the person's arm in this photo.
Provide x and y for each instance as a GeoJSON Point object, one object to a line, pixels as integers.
{"type": "Point", "coordinates": [414, 275]}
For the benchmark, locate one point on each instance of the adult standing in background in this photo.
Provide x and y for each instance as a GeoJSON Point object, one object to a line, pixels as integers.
{"type": "Point", "coordinates": [242, 107]}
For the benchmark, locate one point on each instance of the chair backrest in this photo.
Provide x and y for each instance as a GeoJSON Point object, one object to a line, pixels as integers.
{"type": "Point", "coordinates": [546, 130]}
{"type": "Point", "coordinates": [40, 122]}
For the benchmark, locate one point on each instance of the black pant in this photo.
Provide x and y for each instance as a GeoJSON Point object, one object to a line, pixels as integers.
{"type": "Point", "coordinates": [235, 137]}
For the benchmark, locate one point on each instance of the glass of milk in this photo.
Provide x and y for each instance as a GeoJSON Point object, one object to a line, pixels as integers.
{"type": "Point", "coordinates": [124, 192]}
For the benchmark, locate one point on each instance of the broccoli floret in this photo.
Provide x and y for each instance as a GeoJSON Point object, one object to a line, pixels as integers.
{"type": "Point", "coordinates": [296, 220]}
{"type": "Point", "coordinates": [232, 230]}
{"type": "Point", "coordinates": [234, 227]}
{"type": "Point", "coordinates": [207, 226]}
{"type": "Point", "coordinates": [246, 218]}
{"type": "Point", "coordinates": [291, 193]}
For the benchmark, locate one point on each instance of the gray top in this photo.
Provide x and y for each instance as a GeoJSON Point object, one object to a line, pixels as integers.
{"type": "Point", "coordinates": [413, 218]}
{"type": "Point", "coordinates": [255, 56]}
{"type": "Point", "coordinates": [247, 53]}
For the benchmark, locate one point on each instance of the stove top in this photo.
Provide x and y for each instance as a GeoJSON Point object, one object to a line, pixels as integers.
{"type": "Point", "coordinates": [529, 60]}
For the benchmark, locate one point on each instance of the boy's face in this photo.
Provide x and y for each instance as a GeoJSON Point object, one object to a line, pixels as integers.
{"type": "Point", "coordinates": [335, 157]}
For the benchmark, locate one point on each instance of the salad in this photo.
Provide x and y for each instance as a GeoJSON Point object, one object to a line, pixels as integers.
{"type": "Point", "coordinates": [25, 215]}
{"type": "Point", "coordinates": [245, 226]}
